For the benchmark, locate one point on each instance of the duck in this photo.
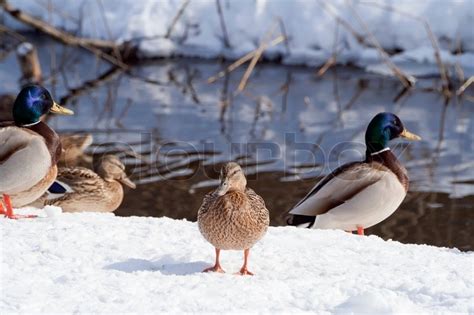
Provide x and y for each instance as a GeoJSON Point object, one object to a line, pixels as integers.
{"type": "Point", "coordinates": [360, 194]}
{"type": "Point", "coordinates": [233, 216]}
{"type": "Point", "coordinates": [74, 146]}
{"type": "Point", "coordinates": [29, 150]}
{"type": "Point", "coordinates": [78, 189]}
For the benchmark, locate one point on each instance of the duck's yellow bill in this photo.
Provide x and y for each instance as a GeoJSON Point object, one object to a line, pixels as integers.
{"type": "Point", "coordinates": [408, 135]}
{"type": "Point", "coordinates": [58, 109]}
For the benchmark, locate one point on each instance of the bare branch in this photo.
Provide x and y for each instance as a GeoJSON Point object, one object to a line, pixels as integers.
{"type": "Point", "coordinates": [95, 46]}
{"type": "Point", "coordinates": [242, 60]}
{"type": "Point", "coordinates": [465, 85]}
{"type": "Point", "coordinates": [406, 80]}
{"type": "Point", "coordinates": [176, 18]}
{"type": "Point", "coordinates": [224, 29]}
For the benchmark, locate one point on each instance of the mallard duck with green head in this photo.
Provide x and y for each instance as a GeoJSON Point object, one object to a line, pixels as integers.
{"type": "Point", "coordinates": [360, 194]}
{"type": "Point", "coordinates": [29, 149]}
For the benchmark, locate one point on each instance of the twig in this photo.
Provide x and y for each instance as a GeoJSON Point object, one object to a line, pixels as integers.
{"type": "Point", "coordinates": [285, 88]}
{"type": "Point", "coordinates": [434, 42]}
{"type": "Point", "coordinates": [109, 33]}
{"type": "Point", "coordinates": [222, 21]}
{"type": "Point", "coordinates": [255, 58]}
{"type": "Point", "coordinates": [144, 79]}
{"type": "Point", "coordinates": [93, 45]}
{"type": "Point", "coordinates": [459, 72]}
{"type": "Point", "coordinates": [243, 60]}
{"type": "Point", "coordinates": [60, 13]}
{"type": "Point", "coordinates": [12, 33]}
{"type": "Point", "coordinates": [176, 18]}
{"type": "Point", "coordinates": [406, 80]}
{"type": "Point", "coordinates": [284, 33]}
{"type": "Point", "coordinates": [332, 60]}
{"type": "Point", "coordinates": [90, 84]}
{"type": "Point", "coordinates": [466, 84]}
{"type": "Point", "coordinates": [344, 23]}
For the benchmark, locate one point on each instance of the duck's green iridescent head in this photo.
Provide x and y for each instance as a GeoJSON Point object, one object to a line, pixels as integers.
{"type": "Point", "coordinates": [383, 128]}
{"type": "Point", "coordinates": [32, 103]}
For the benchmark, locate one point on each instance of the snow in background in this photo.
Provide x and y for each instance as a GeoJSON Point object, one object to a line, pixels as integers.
{"type": "Point", "coordinates": [91, 263]}
{"type": "Point", "coordinates": [308, 24]}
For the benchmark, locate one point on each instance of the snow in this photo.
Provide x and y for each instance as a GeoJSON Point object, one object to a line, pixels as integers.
{"type": "Point", "coordinates": [99, 263]}
{"type": "Point", "coordinates": [310, 26]}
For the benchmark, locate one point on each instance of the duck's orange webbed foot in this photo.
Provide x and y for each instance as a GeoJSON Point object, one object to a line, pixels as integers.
{"type": "Point", "coordinates": [244, 272]}
{"type": "Point", "coordinates": [360, 230]}
{"type": "Point", "coordinates": [9, 213]}
{"type": "Point", "coordinates": [216, 268]}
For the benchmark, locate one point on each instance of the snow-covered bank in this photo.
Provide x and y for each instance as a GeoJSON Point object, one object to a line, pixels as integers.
{"type": "Point", "coordinates": [100, 263]}
{"type": "Point", "coordinates": [310, 26]}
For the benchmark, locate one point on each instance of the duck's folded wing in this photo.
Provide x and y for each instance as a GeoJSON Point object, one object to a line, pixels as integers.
{"type": "Point", "coordinates": [338, 187]}
{"type": "Point", "coordinates": [24, 159]}
{"type": "Point", "coordinates": [207, 201]}
{"type": "Point", "coordinates": [77, 179]}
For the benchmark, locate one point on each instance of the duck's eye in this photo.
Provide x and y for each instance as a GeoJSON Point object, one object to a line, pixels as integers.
{"type": "Point", "coordinates": [42, 97]}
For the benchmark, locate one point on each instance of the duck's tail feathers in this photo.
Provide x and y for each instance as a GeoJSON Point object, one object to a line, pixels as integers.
{"type": "Point", "coordinates": [301, 221]}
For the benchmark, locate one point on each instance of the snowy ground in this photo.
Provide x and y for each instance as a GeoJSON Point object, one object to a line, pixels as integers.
{"type": "Point", "coordinates": [310, 26]}
{"type": "Point", "coordinates": [100, 263]}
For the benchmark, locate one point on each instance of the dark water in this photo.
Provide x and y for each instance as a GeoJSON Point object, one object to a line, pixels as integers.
{"type": "Point", "coordinates": [288, 129]}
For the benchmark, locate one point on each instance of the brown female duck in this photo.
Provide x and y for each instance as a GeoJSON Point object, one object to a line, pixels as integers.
{"type": "Point", "coordinates": [233, 217]}
{"type": "Point", "coordinates": [78, 189]}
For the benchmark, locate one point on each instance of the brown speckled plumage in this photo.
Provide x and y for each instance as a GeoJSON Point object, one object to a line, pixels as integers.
{"type": "Point", "coordinates": [235, 220]}
{"type": "Point", "coordinates": [98, 192]}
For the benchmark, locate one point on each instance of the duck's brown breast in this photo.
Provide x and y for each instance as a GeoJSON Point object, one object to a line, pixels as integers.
{"type": "Point", "coordinates": [236, 220]}
{"type": "Point", "coordinates": [51, 139]}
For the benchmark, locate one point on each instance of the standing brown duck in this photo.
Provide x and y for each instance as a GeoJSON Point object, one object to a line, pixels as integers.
{"type": "Point", "coordinates": [233, 217]}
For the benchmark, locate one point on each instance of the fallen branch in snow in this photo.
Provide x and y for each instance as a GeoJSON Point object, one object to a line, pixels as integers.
{"type": "Point", "coordinates": [99, 47]}
{"type": "Point", "coordinates": [434, 42]}
{"type": "Point", "coordinates": [285, 34]}
{"type": "Point", "coordinates": [176, 18]}
{"type": "Point", "coordinates": [407, 80]}
{"type": "Point", "coordinates": [332, 60]}
{"type": "Point", "coordinates": [243, 60]}
{"type": "Point", "coordinates": [225, 36]}
{"type": "Point", "coordinates": [329, 9]}
{"type": "Point", "coordinates": [258, 53]}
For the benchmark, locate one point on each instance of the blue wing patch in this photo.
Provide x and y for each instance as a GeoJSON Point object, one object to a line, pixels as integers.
{"type": "Point", "coordinates": [57, 188]}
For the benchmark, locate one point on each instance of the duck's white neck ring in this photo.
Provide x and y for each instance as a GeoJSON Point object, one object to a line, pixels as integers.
{"type": "Point", "coordinates": [378, 152]}
{"type": "Point", "coordinates": [29, 125]}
